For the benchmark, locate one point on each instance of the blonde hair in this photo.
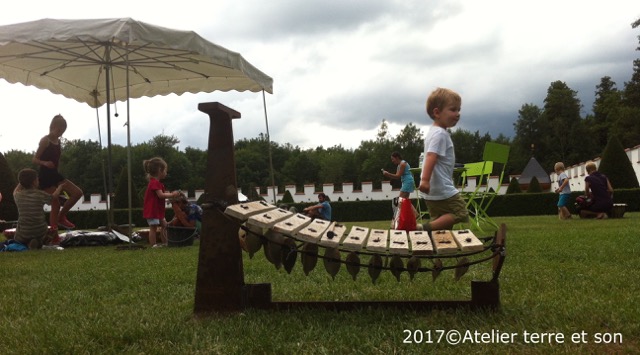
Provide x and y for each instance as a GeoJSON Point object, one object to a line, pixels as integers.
{"type": "Point", "coordinates": [58, 121]}
{"type": "Point", "coordinates": [182, 197]}
{"type": "Point", "coordinates": [441, 97]}
{"type": "Point", "coordinates": [559, 166]}
{"type": "Point", "coordinates": [153, 167]}
{"type": "Point", "coordinates": [591, 167]}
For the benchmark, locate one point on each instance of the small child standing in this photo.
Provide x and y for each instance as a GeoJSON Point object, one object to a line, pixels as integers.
{"type": "Point", "coordinates": [32, 230]}
{"type": "Point", "coordinates": [446, 206]}
{"type": "Point", "coordinates": [154, 200]}
{"type": "Point", "coordinates": [564, 190]}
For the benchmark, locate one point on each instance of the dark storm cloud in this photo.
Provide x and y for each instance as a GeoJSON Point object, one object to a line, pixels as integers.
{"type": "Point", "coordinates": [341, 67]}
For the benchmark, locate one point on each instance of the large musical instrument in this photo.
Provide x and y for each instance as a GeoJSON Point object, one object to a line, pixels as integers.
{"type": "Point", "coordinates": [281, 231]}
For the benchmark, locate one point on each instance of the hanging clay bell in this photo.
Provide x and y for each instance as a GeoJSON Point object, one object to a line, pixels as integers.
{"type": "Point", "coordinates": [332, 261]}
{"type": "Point", "coordinates": [289, 254]}
{"type": "Point", "coordinates": [309, 257]}
{"type": "Point", "coordinates": [437, 268]}
{"type": "Point", "coordinates": [461, 268]}
{"type": "Point", "coordinates": [253, 243]}
{"type": "Point", "coordinates": [413, 265]}
{"type": "Point", "coordinates": [375, 267]}
{"type": "Point", "coordinates": [353, 264]}
{"type": "Point", "coordinates": [397, 266]}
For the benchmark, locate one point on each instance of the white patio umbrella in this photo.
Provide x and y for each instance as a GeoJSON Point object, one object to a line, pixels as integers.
{"type": "Point", "coordinates": [100, 61]}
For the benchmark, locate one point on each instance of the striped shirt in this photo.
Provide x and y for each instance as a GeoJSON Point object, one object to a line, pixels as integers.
{"type": "Point", "coordinates": [31, 221]}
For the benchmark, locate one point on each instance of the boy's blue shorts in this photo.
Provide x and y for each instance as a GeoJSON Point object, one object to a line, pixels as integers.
{"type": "Point", "coordinates": [563, 201]}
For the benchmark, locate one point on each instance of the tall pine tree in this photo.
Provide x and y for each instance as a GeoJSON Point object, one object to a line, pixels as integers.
{"type": "Point", "coordinates": [563, 131]}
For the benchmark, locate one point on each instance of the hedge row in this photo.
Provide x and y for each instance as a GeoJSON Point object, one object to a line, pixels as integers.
{"type": "Point", "coordinates": [522, 204]}
{"type": "Point", "coordinates": [525, 204]}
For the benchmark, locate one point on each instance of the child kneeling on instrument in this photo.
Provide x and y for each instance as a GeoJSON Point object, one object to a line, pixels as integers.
{"type": "Point", "coordinates": [446, 206]}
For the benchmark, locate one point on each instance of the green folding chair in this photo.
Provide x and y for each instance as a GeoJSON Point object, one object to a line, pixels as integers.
{"type": "Point", "coordinates": [494, 156]}
{"type": "Point", "coordinates": [474, 178]}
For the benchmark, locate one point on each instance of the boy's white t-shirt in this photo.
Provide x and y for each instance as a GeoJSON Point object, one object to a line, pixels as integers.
{"type": "Point", "coordinates": [566, 189]}
{"type": "Point", "coordinates": [438, 141]}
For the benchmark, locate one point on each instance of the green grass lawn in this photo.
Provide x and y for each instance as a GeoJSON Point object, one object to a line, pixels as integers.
{"type": "Point", "coordinates": [560, 278]}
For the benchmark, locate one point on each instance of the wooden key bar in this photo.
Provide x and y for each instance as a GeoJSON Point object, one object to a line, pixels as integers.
{"type": "Point", "coordinates": [313, 231]}
{"type": "Point", "coordinates": [378, 240]}
{"type": "Point", "coordinates": [269, 218]}
{"type": "Point", "coordinates": [467, 241]}
{"type": "Point", "coordinates": [243, 211]}
{"type": "Point", "coordinates": [443, 242]}
{"type": "Point", "coordinates": [292, 225]}
{"type": "Point", "coordinates": [398, 242]}
{"type": "Point", "coordinates": [333, 235]}
{"type": "Point", "coordinates": [420, 243]}
{"type": "Point", "coordinates": [356, 238]}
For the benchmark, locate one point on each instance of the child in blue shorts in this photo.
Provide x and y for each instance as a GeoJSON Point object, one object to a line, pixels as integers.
{"type": "Point", "coordinates": [564, 190]}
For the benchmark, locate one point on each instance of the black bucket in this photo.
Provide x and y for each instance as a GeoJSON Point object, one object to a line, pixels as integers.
{"type": "Point", "coordinates": [180, 236]}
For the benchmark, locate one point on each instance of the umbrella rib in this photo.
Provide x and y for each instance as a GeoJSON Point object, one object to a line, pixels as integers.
{"type": "Point", "coordinates": [157, 57]}
{"type": "Point", "coordinates": [148, 60]}
{"type": "Point", "coordinates": [69, 56]}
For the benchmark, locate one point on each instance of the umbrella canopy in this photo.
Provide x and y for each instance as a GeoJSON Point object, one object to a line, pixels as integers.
{"type": "Point", "coordinates": [83, 59]}
{"type": "Point", "coordinates": [106, 60]}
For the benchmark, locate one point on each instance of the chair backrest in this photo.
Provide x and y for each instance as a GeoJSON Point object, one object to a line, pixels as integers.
{"type": "Point", "coordinates": [495, 152]}
{"type": "Point", "coordinates": [498, 153]}
{"type": "Point", "coordinates": [480, 199]}
{"type": "Point", "coordinates": [475, 174]}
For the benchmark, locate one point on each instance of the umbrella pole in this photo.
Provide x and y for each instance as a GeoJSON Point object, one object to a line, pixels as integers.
{"type": "Point", "coordinates": [266, 120]}
{"type": "Point", "coordinates": [109, 167]}
{"type": "Point", "coordinates": [129, 187]}
{"type": "Point", "coordinates": [131, 245]}
{"type": "Point", "coordinates": [104, 173]}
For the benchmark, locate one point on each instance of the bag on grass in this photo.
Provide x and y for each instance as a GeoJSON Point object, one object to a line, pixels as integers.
{"type": "Point", "coordinates": [12, 245]}
{"type": "Point", "coordinates": [406, 216]}
{"type": "Point", "coordinates": [583, 202]}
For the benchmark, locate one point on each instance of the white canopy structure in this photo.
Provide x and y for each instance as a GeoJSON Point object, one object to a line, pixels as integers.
{"type": "Point", "coordinates": [98, 61]}
{"type": "Point", "coordinates": [82, 59]}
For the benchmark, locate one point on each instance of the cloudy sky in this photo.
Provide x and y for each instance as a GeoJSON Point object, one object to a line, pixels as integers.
{"type": "Point", "coordinates": [341, 67]}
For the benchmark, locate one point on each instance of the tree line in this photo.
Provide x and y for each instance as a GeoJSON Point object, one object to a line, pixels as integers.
{"type": "Point", "coordinates": [554, 132]}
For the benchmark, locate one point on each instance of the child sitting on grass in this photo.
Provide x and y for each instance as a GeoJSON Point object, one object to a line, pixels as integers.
{"type": "Point", "coordinates": [32, 230]}
{"type": "Point", "coordinates": [186, 214]}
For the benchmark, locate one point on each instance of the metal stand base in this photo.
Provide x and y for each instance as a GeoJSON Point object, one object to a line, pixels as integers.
{"type": "Point", "coordinates": [484, 294]}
